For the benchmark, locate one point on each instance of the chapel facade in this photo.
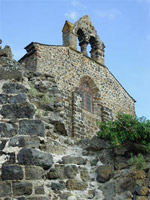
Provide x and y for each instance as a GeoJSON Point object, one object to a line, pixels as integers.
{"type": "Point", "coordinates": [90, 91]}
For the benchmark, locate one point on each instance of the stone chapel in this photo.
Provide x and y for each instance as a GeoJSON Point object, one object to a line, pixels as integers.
{"type": "Point", "coordinates": [90, 91]}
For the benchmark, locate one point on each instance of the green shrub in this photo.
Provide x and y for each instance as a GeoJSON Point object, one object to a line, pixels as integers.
{"type": "Point", "coordinates": [126, 128]}
{"type": "Point", "coordinates": [137, 161]}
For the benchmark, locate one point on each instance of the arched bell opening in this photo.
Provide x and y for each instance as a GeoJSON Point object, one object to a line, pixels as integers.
{"type": "Point", "coordinates": [82, 41]}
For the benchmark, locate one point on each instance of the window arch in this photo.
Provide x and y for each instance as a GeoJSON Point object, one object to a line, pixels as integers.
{"type": "Point", "coordinates": [87, 90]}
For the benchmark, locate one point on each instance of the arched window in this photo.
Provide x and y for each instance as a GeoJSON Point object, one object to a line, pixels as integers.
{"type": "Point", "coordinates": [87, 97]}
{"type": "Point", "coordinates": [88, 90]}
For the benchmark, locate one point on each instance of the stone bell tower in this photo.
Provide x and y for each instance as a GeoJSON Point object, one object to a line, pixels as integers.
{"type": "Point", "coordinates": [84, 30]}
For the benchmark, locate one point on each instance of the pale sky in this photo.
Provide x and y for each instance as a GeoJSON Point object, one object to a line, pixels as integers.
{"type": "Point", "coordinates": [123, 26]}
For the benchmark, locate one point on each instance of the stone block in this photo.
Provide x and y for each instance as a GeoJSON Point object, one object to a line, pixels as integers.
{"type": "Point", "coordinates": [25, 141]}
{"type": "Point", "coordinates": [13, 111]}
{"type": "Point", "coordinates": [97, 144]}
{"type": "Point", "coordinates": [57, 186]}
{"type": "Point", "coordinates": [54, 147]}
{"type": "Point", "coordinates": [31, 127]}
{"type": "Point", "coordinates": [54, 174]}
{"type": "Point", "coordinates": [70, 171]}
{"type": "Point", "coordinates": [60, 127]}
{"type": "Point", "coordinates": [30, 156]}
{"type": "Point", "coordinates": [34, 173]}
{"type": "Point", "coordinates": [3, 98]}
{"type": "Point", "coordinates": [5, 189]}
{"type": "Point", "coordinates": [8, 129]}
{"type": "Point", "coordinates": [104, 173]}
{"type": "Point", "coordinates": [63, 172]}
{"type": "Point", "coordinates": [74, 160]}
{"type": "Point", "coordinates": [76, 185]}
{"type": "Point", "coordinates": [13, 88]}
{"type": "Point", "coordinates": [22, 188]}
{"type": "Point", "coordinates": [11, 172]}
{"type": "Point", "coordinates": [20, 98]}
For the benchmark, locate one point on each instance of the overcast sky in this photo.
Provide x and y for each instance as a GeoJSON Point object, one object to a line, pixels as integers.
{"type": "Point", "coordinates": [123, 26]}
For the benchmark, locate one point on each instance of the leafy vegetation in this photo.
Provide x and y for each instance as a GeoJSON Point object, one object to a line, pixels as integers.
{"type": "Point", "coordinates": [127, 128]}
{"type": "Point", "coordinates": [137, 161]}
